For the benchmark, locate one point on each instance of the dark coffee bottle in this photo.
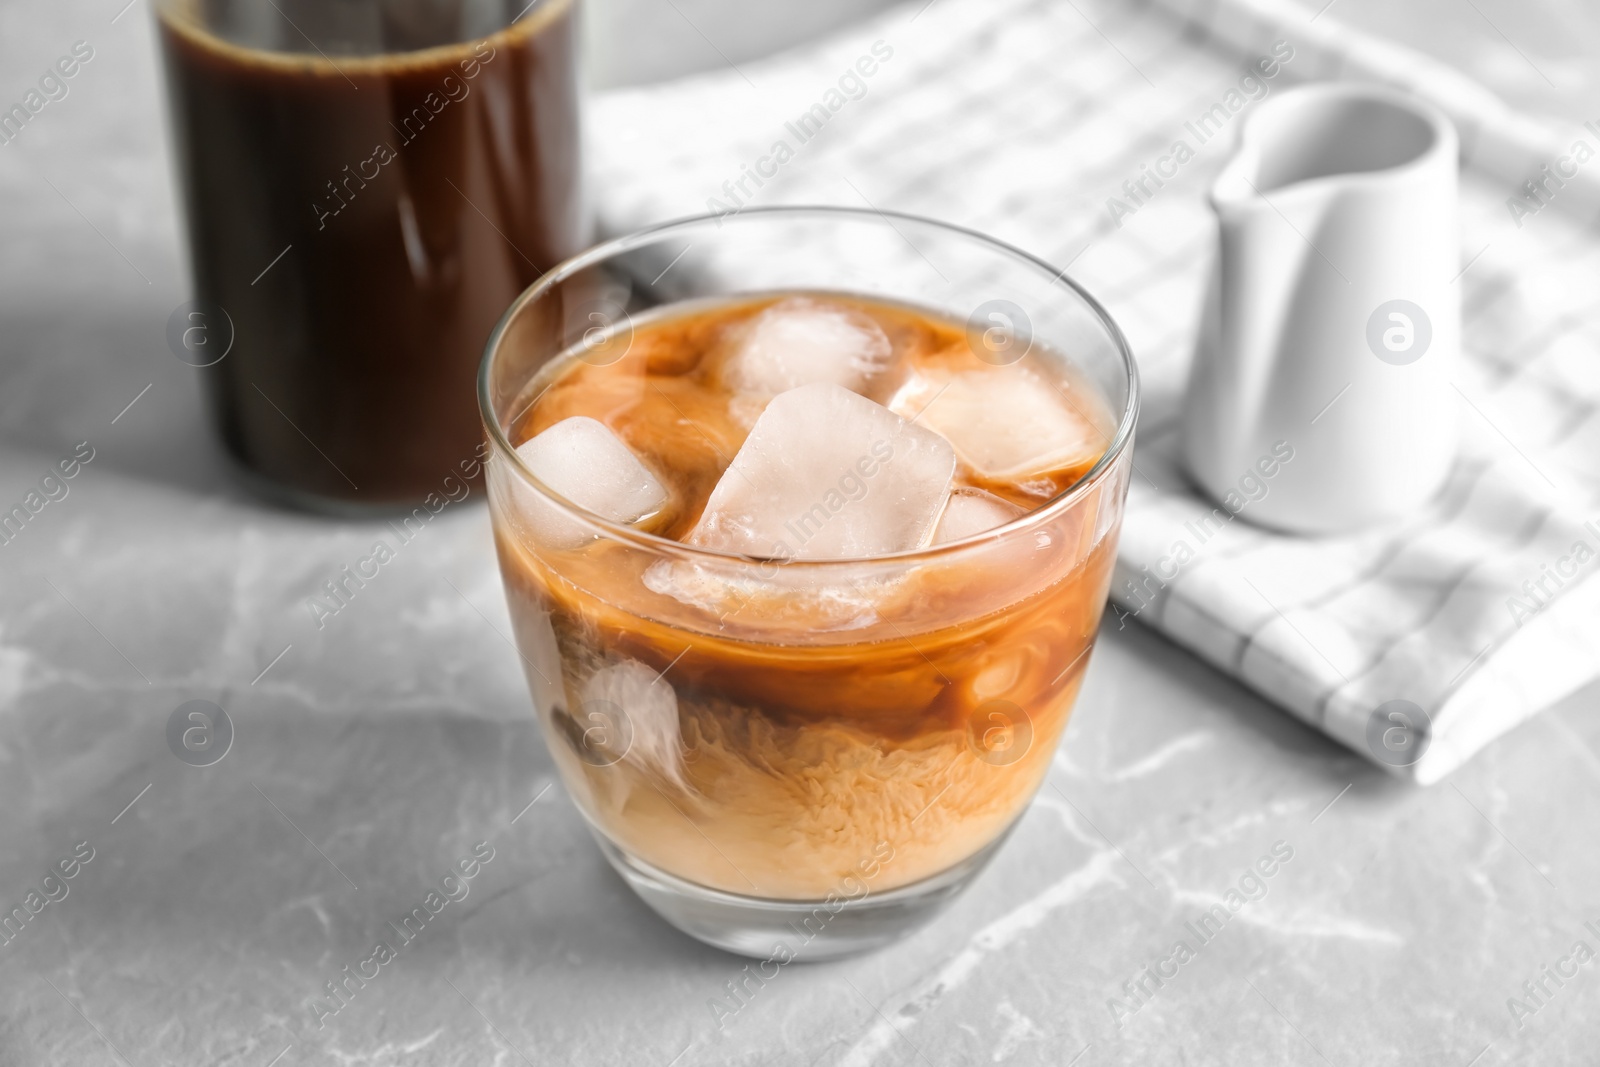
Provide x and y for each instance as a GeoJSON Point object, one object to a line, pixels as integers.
{"type": "Point", "coordinates": [368, 185]}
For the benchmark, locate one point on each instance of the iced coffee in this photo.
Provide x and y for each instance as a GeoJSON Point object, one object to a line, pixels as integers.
{"type": "Point", "coordinates": [805, 584]}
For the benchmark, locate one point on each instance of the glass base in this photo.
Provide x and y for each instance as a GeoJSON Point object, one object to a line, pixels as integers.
{"type": "Point", "coordinates": [293, 498]}
{"type": "Point", "coordinates": [799, 930]}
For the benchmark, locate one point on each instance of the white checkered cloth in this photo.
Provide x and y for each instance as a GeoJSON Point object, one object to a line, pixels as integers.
{"type": "Point", "coordinates": [1020, 118]}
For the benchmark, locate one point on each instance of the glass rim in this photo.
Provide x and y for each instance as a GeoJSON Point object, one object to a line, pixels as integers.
{"type": "Point", "coordinates": [176, 16]}
{"type": "Point", "coordinates": [610, 249]}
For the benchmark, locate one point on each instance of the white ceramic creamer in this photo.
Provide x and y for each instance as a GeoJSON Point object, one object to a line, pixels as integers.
{"type": "Point", "coordinates": [1332, 321]}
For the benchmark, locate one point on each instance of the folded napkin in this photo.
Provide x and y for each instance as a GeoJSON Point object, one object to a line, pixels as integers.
{"type": "Point", "coordinates": [1415, 644]}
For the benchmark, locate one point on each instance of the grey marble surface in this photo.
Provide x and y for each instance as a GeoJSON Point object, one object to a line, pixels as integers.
{"type": "Point", "coordinates": [372, 755]}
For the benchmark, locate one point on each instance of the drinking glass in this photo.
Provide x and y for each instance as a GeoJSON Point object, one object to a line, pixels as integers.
{"type": "Point", "coordinates": [804, 759]}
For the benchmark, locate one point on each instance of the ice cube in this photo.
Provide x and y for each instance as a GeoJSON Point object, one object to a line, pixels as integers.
{"type": "Point", "coordinates": [827, 474]}
{"type": "Point", "coordinates": [769, 599]}
{"type": "Point", "coordinates": [801, 341]}
{"type": "Point", "coordinates": [1007, 423]}
{"type": "Point", "coordinates": [582, 460]}
{"type": "Point", "coordinates": [650, 737]}
{"type": "Point", "coordinates": [970, 512]}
